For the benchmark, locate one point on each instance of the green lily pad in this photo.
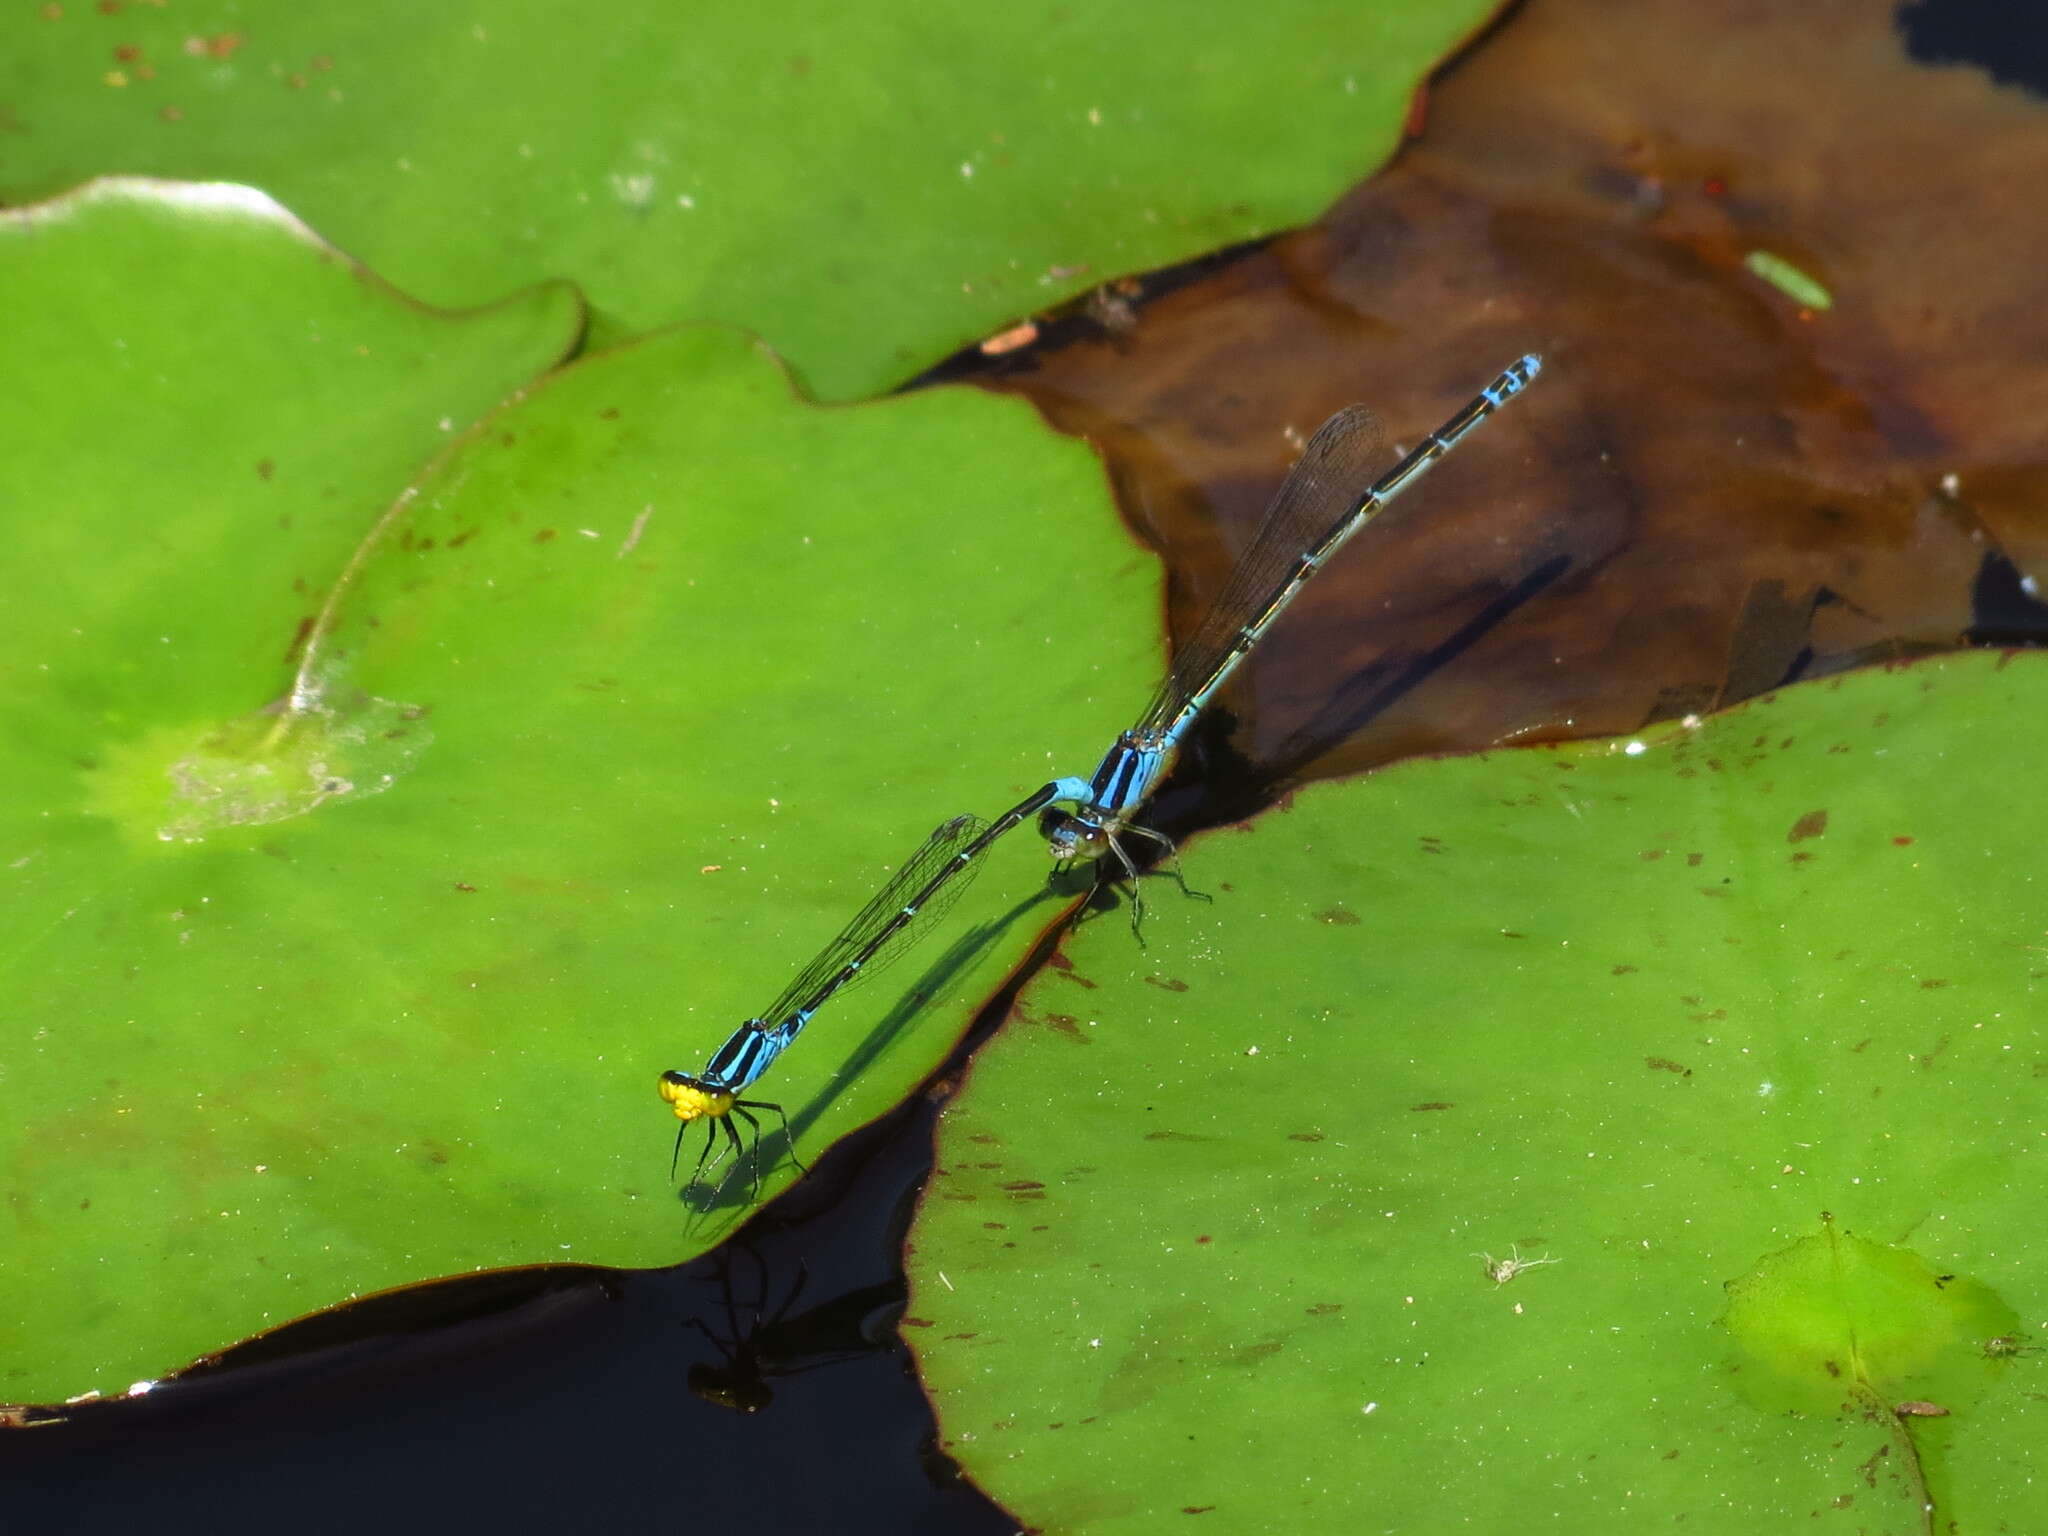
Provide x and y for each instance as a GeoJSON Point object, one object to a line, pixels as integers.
{"type": "Point", "coordinates": [390, 804]}
{"type": "Point", "coordinates": [1405, 1185]}
{"type": "Point", "coordinates": [869, 187]}
{"type": "Point", "coordinates": [1838, 1324]}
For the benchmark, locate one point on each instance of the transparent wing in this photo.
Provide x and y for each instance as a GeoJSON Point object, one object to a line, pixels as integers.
{"type": "Point", "coordinates": [879, 933]}
{"type": "Point", "coordinates": [1320, 493]}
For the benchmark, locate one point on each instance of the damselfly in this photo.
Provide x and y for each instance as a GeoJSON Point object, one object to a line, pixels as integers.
{"type": "Point", "coordinates": [1319, 507]}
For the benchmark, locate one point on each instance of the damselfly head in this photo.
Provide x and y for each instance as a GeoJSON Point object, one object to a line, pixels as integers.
{"type": "Point", "coordinates": [692, 1098]}
{"type": "Point", "coordinates": [1072, 839]}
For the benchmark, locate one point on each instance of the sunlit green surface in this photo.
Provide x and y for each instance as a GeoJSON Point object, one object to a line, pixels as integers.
{"type": "Point", "coordinates": [389, 802]}
{"type": "Point", "coordinates": [1220, 1225]}
{"type": "Point", "coordinates": [1836, 1323]}
{"type": "Point", "coordinates": [869, 187]}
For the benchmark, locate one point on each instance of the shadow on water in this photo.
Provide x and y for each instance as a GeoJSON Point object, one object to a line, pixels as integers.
{"type": "Point", "coordinates": [757, 1335]}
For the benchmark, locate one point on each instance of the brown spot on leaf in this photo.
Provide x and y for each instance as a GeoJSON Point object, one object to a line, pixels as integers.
{"type": "Point", "coordinates": [1812, 824]}
{"type": "Point", "coordinates": [1919, 1408]}
{"type": "Point", "coordinates": [1066, 1024]}
{"type": "Point", "coordinates": [297, 648]}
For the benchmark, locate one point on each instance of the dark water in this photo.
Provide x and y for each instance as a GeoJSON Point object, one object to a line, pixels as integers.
{"type": "Point", "coordinates": [556, 1400]}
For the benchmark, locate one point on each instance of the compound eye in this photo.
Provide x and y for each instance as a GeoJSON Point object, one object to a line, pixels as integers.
{"type": "Point", "coordinates": [1080, 841]}
{"type": "Point", "coordinates": [1058, 829]}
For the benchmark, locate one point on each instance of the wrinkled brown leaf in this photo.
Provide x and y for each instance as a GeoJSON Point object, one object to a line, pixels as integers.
{"type": "Point", "coordinates": [1713, 490]}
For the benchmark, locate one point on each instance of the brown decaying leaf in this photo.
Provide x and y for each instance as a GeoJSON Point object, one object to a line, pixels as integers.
{"type": "Point", "coordinates": [1712, 490]}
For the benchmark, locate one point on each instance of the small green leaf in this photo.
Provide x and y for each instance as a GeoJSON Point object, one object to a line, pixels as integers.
{"type": "Point", "coordinates": [1789, 280]}
{"type": "Point", "coordinates": [1836, 1324]}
